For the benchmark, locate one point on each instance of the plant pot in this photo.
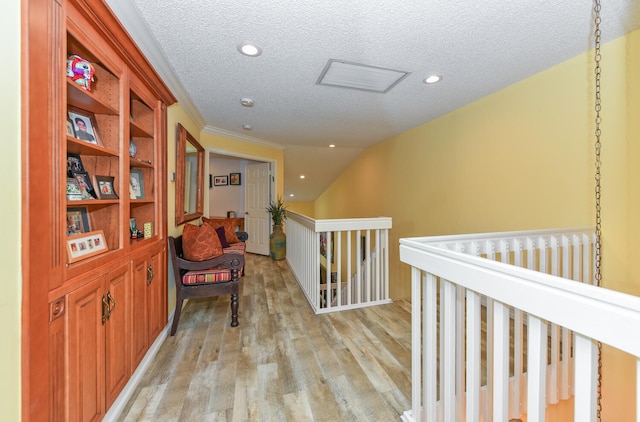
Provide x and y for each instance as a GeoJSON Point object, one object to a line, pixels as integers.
{"type": "Point", "coordinates": [278, 243]}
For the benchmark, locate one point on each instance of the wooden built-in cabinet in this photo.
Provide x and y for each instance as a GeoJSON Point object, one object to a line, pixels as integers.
{"type": "Point", "coordinates": [88, 323]}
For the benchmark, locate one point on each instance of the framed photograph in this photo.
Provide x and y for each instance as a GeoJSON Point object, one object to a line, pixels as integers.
{"type": "Point", "coordinates": [136, 184]}
{"type": "Point", "coordinates": [84, 181]}
{"type": "Point", "coordinates": [84, 125]}
{"type": "Point", "coordinates": [106, 189]}
{"type": "Point", "coordinates": [74, 164]}
{"type": "Point", "coordinates": [220, 180]}
{"type": "Point", "coordinates": [73, 190]}
{"type": "Point", "coordinates": [77, 221]}
{"type": "Point", "coordinates": [323, 245]}
{"type": "Point", "coordinates": [70, 130]}
{"type": "Point", "coordinates": [234, 179]}
{"type": "Point", "coordinates": [85, 245]}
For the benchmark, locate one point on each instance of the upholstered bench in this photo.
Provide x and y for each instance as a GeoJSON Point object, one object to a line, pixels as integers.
{"type": "Point", "coordinates": [203, 268]}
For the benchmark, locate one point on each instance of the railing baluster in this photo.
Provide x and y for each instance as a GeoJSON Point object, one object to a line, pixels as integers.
{"type": "Point", "coordinates": [430, 341]}
{"type": "Point", "coordinates": [536, 368]}
{"type": "Point", "coordinates": [473, 356]}
{"type": "Point", "coordinates": [501, 362]}
{"type": "Point", "coordinates": [448, 308]}
{"type": "Point", "coordinates": [586, 361]}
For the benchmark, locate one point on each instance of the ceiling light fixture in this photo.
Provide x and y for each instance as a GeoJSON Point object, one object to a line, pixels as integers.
{"type": "Point", "coordinates": [247, 102]}
{"type": "Point", "coordinates": [332, 146]}
{"type": "Point", "coordinates": [302, 176]}
{"type": "Point", "coordinates": [432, 79]}
{"type": "Point", "coordinates": [291, 195]}
{"type": "Point", "coordinates": [249, 49]}
{"type": "Point", "coordinates": [247, 127]}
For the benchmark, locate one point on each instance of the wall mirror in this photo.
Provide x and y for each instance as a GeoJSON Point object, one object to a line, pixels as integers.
{"type": "Point", "coordinates": [189, 177]}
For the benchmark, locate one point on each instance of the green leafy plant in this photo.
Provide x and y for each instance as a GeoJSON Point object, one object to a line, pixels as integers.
{"type": "Point", "coordinates": [278, 212]}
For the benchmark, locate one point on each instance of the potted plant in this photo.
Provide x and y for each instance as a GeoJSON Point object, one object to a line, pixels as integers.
{"type": "Point", "coordinates": [277, 239]}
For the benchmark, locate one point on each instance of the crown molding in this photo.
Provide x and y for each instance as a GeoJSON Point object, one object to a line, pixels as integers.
{"type": "Point", "coordinates": [234, 135]}
{"type": "Point", "coordinates": [129, 16]}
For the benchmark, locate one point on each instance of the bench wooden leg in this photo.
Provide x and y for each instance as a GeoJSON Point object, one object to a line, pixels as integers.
{"type": "Point", "coordinates": [176, 316]}
{"type": "Point", "coordinates": [234, 309]}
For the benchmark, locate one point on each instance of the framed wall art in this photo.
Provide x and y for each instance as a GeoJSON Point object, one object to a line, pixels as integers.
{"type": "Point", "coordinates": [235, 179]}
{"type": "Point", "coordinates": [85, 245]}
{"type": "Point", "coordinates": [220, 180]}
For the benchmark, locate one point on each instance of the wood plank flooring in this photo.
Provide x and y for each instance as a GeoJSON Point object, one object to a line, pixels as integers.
{"type": "Point", "coordinates": [282, 363]}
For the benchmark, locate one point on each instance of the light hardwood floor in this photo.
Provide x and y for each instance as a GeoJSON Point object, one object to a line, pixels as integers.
{"type": "Point", "coordinates": [282, 363]}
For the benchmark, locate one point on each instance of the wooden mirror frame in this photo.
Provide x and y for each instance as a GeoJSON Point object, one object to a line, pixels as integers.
{"type": "Point", "coordinates": [183, 216]}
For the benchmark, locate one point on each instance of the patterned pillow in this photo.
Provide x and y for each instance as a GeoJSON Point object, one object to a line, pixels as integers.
{"type": "Point", "coordinates": [229, 229]}
{"type": "Point", "coordinates": [200, 243]}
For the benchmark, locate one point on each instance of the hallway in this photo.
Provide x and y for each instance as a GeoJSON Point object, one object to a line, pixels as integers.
{"type": "Point", "coordinates": [282, 363]}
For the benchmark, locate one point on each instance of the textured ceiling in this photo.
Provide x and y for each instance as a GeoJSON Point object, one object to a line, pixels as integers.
{"type": "Point", "coordinates": [478, 46]}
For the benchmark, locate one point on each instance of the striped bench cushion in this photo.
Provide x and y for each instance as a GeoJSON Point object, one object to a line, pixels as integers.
{"type": "Point", "coordinates": [208, 276]}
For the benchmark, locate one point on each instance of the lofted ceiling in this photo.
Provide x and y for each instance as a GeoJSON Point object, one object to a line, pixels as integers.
{"type": "Point", "coordinates": [477, 46]}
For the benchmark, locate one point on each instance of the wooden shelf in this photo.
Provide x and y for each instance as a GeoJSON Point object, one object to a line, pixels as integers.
{"type": "Point", "coordinates": [86, 100]}
{"type": "Point", "coordinates": [134, 162]}
{"type": "Point", "coordinates": [77, 146]}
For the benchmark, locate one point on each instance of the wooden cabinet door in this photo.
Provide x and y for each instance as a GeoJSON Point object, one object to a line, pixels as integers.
{"type": "Point", "coordinates": [117, 331]}
{"type": "Point", "coordinates": [139, 320]}
{"type": "Point", "coordinates": [86, 352]}
{"type": "Point", "coordinates": [156, 292]}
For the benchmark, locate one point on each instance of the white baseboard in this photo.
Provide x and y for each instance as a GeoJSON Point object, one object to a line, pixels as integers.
{"type": "Point", "coordinates": [125, 395]}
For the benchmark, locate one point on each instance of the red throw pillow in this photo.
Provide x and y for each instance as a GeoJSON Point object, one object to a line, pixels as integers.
{"type": "Point", "coordinates": [200, 243]}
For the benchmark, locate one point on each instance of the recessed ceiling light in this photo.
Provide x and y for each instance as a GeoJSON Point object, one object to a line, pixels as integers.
{"type": "Point", "coordinates": [332, 146]}
{"type": "Point", "coordinates": [249, 49]}
{"type": "Point", "coordinates": [432, 79]}
{"type": "Point", "coordinates": [302, 176]}
{"type": "Point", "coordinates": [247, 102]}
{"type": "Point", "coordinates": [247, 127]}
{"type": "Point", "coordinates": [291, 194]}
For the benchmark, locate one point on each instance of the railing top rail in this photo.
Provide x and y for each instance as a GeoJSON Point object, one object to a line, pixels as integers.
{"type": "Point", "coordinates": [478, 237]}
{"type": "Point", "coordinates": [606, 315]}
{"type": "Point", "coordinates": [341, 224]}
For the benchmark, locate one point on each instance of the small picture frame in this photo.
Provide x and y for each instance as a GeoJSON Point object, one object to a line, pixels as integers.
{"type": "Point", "coordinates": [106, 188]}
{"type": "Point", "coordinates": [85, 245]}
{"type": "Point", "coordinates": [70, 129]}
{"type": "Point", "coordinates": [84, 124]}
{"type": "Point", "coordinates": [136, 184]}
{"type": "Point", "coordinates": [73, 190]}
{"type": "Point", "coordinates": [77, 221]}
{"type": "Point", "coordinates": [84, 181]}
{"type": "Point", "coordinates": [74, 164]}
{"type": "Point", "coordinates": [234, 179]}
{"type": "Point", "coordinates": [220, 180]}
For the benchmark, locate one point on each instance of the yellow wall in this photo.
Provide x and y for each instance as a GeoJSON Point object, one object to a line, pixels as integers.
{"type": "Point", "coordinates": [10, 253]}
{"type": "Point", "coordinates": [304, 208]}
{"type": "Point", "coordinates": [521, 158]}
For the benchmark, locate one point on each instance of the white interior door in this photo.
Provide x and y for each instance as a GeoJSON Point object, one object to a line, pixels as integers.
{"type": "Point", "coordinates": [257, 197]}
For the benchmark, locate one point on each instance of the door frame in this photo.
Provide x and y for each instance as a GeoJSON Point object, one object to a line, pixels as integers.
{"type": "Point", "coordinates": [273, 189]}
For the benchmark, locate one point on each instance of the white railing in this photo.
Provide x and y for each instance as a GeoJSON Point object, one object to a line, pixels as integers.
{"type": "Point", "coordinates": [329, 260]}
{"type": "Point", "coordinates": [534, 284]}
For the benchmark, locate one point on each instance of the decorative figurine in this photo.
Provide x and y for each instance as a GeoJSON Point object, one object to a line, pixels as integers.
{"type": "Point", "coordinates": [80, 71]}
{"type": "Point", "coordinates": [133, 149]}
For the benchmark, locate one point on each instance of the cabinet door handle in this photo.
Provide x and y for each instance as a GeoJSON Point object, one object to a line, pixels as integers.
{"type": "Point", "coordinates": [112, 303]}
{"type": "Point", "coordinates": [105, 309]}
{"type": "Point", "coordinates": [150, 274]}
